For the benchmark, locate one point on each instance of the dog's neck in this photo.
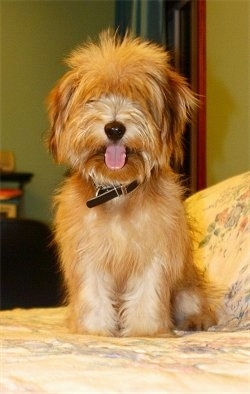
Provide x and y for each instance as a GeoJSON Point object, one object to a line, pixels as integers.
{"type": "Point", "coordinates": [107, 193]}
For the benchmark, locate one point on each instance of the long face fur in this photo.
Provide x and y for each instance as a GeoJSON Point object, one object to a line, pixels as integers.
{"type": "Point", "coordinates": [117, 117]}
{"type": "Point", "coordinates": [127, 81]}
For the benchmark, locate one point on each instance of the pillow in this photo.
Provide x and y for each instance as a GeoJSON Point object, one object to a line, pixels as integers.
{"type": "Point", "coordinates": [221, 216]}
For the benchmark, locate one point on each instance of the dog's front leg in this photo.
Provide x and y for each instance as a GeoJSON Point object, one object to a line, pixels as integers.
{"type": "Point", "coordinates": [92, 307]}
{"type": "Point", "coordinates": [146, 304]}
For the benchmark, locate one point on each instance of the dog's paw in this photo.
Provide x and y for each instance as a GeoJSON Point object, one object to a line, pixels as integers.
{"type": "Point", "coordinates": [197, 322]}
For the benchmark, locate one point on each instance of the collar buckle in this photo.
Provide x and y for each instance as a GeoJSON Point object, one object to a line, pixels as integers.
{"type": "Point", "coordinates": [124, 190]}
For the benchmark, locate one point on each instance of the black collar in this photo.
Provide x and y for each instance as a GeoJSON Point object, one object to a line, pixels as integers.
{"type": "Point", "coordinates": [106, 193]}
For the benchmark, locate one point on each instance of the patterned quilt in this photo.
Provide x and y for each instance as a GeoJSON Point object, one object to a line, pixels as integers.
{"type": "Point", "coordinates": [39, 355]}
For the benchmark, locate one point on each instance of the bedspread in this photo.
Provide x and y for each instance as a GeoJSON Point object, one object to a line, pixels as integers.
{"type": "Point", "coordinates": [40, 355]}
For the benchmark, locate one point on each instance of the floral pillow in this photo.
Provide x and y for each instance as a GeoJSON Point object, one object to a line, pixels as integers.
{"type": "Point", "coordinates": [221, 216]}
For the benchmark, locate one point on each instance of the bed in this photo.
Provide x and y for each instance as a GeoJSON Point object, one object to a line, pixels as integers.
{"type": "Point", "coordinates": [39, 354]}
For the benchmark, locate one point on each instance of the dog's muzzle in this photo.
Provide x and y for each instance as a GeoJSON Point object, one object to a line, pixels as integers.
{"type": "Point", "coordinates": [115, 154]}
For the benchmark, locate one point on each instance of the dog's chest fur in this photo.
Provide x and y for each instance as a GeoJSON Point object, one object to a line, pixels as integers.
{"type": "Point", "coordinates": [122, 237]}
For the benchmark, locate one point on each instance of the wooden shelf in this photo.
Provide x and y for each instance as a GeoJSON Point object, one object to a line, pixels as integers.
{"type": "Point", "coordinates": [19, 177]}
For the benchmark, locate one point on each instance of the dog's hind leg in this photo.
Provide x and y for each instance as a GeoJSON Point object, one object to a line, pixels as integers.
{"type": "Point", "coordinates": [192, 310]}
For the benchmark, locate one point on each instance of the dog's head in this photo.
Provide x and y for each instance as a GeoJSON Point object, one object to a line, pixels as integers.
{"type": "Point", "coordinates": [120, 111]}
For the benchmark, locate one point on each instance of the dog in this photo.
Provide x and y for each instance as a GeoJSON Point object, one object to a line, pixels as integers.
{"type": "Point", "coordinates": [125, 246]}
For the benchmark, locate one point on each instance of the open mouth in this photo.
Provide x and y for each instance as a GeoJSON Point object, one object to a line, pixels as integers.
{"type": "Point", "coordinates": [115, 156]}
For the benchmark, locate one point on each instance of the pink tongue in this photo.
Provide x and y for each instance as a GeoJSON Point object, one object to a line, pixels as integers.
{"type": "Point", "coordinates": [115, 156]}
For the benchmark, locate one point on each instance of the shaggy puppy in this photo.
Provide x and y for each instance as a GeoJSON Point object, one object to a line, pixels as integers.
{"type": "Point", "coordinates": [117, 119]}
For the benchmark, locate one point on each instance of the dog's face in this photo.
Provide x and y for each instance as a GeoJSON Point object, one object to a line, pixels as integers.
{"type": "Point", "coordinates": [120, 111]}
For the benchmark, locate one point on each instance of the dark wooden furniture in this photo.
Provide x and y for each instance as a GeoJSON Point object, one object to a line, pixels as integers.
{"type": "Point", "coordinates": [186, 39]}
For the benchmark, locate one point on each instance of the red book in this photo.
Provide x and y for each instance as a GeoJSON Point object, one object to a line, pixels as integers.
{"type": "Point", "coordinates": [8, 194]}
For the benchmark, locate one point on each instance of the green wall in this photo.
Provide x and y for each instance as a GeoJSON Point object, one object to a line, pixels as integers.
{"type": "Point", "coordinates": [228, 88]}
{"type": "Point", "coordinates": [35, 36]}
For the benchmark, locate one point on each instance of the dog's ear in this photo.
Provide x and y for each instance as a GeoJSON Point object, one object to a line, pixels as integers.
{"type": "Point", "coordinates": [59, 104]}
{"type": "Point", "coordinates": [180, 103]}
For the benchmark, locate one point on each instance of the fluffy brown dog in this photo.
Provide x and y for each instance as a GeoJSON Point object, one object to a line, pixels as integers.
{"type": "Point", "coordinates": [117, 119]}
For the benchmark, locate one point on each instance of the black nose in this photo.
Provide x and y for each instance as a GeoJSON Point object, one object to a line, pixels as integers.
{"type": "Point", "coordinates": [115, 130]}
